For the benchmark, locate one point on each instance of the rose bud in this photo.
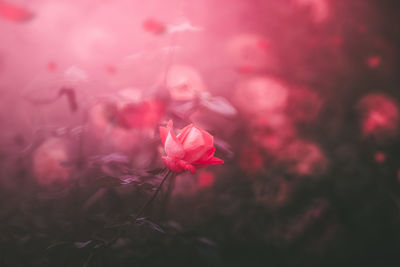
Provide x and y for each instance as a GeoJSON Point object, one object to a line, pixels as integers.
{"type": "Point", "coordinates": [191, 149]}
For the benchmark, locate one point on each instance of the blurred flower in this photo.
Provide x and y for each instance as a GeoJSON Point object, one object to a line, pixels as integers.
{"type": "Point", "coordinates": [379, 116]}
{"type": "Point", "coordinates": [261, 94]}
{"type": "Point", "coordinates": [250, 159]}
{"type": "Point", "coordinates": [111, 69]}
{"type": "Point", "coordinates": [380, 157]}
{"type": "Point", "coordinates": [304, 158]}
{"type": "Point", "coordinates": [272, 192]}
{"type": "Point", "coordinates": [47, 162]}
{"type": "Point", "coordinates": [103, 117]}
{"type": "Point", "coordinates": [191, 149]}
{"type": "Point", "coordinates": [272, 131]}
{"type": "Point", "coordinates": [154, 26]}
{"type": "Point", "coordinates": [143, 115]}
{"type": "Point", "coordinates": [51, 66]}
{"type": "Point", "coordinates": [373, 61]}
{"type": "Point", "coordinates": [102, 114]}
{"type": "Point", "coordinates": [251, 52]}
{"type": "Point", "coordinates": [304, 105]}
{"type": "Point", "coordinates": [15, 13]}
{"type": "Point", "coordinates": [184, 83]}
{"type": "Point", "coordinates": [320, 9]}
{"type": "Point", "coordinates": [205, 179]}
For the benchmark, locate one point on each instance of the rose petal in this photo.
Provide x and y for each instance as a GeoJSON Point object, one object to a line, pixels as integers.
{"type": "Point", "coordinates": [172, 164]}
{"type": "Point", "coordinates": [184, 133]}
{"type": "Point", "coordinates": [187, 166]}
{"type": "Point", "coordinates": [177, 165]}
{"type": "Point", "coordinates": [211, 161]}
{"type": "Point", "coordinates": [206, 155]}
{"type": "Point", "coordinates": [193, 140]}
{"type": "Point", "coordinates": [208, 138]}
{"type": "Point", "coordinates": [215, 161]}
{"type": "Point", "coordinates": [173, 147]}
{"type": "Point", "coordinates": [164, 131]}
{"type": "Point", "coordinates": [196, 154]}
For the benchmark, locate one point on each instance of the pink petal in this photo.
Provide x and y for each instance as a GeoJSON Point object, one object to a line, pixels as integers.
{"type": "Point", "coordinates": [172, 164]}
{"type": "Point", "coordinates": [187, 166]}
{"type": "Point", "coordinates": [209, 154]}
{"type": "Point", "coordinates": [170, 124]}
{"type": "Point", "coordinates": [193, 140]}
{"type": "Point", "coordinates": [164, 131]}
{"type": "Point", "coordinates": [184, 133]}
{"type": "Point", "coordinates": [211, 161]}
{"type": "Point", "coordinates": [215, 161]}
{"type": "Point", "coordinates": [173, 147]}
{"type": "Point", "coordinates": [202, 156]}
{"type": "Point", "coordinates": [208, 138]}
{"type": "Point", "coordinates": [177, 165]}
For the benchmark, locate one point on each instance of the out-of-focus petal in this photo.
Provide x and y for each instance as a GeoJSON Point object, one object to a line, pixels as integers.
{"type": "Point", "coordinates": [15, 13]}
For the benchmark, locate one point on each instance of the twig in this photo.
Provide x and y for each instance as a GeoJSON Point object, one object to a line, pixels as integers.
{"type": "Point", "coordinates": [154, 195]}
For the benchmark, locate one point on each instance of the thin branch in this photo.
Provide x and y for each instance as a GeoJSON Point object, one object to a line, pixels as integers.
{"type": "Point", "coordinates": [154, 195]}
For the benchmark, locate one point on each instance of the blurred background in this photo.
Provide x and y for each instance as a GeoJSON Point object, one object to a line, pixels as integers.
{"type": "Point", "coordinates": [301, 97]}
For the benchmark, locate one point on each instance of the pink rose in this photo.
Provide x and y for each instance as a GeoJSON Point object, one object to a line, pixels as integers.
{"type": "Point", "coordinates": [191, 149]}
